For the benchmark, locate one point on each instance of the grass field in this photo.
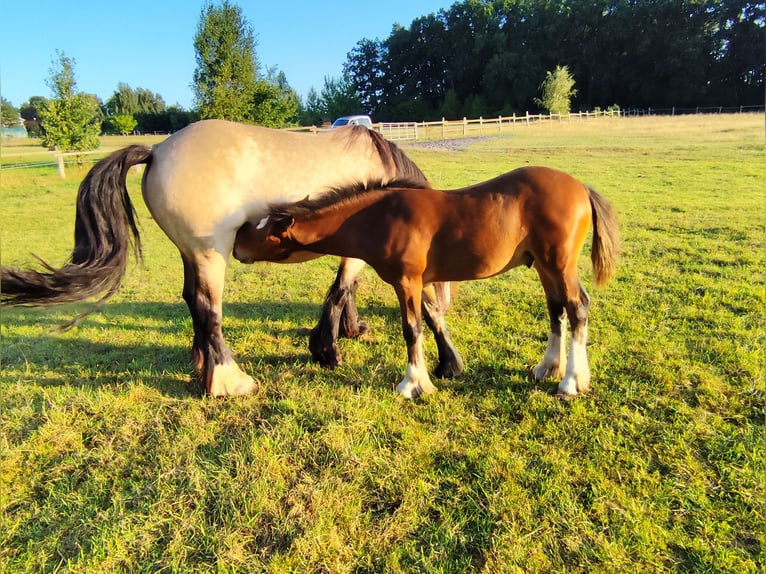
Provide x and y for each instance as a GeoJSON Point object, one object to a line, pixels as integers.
{"type": "Point", "coordinates": [111, 462]}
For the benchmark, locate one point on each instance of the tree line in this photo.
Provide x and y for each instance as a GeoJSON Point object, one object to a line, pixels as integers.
{"type": "Point", "coordinates": [476, 58]}
{"type": "Point", "coordinates": [489, 57]}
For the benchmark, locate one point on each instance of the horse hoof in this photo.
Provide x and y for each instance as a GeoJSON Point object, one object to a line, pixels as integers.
{"type": "Point", "coordinates": [572, 385]}
{"type": "Point", "coordinates": [544, 371]}
{"type": "Point", "coordinates": [565, 396]}
{"type": "Point", "coordinates": [412, 389]}
{"type": "Point", "coordinates": [327, 358]}
{"type": "Point", "coordinates": [230, 381]}
{"type": "Point", "coordinates": [359, 330]}
{"type": "Point", "coordinates": [448, 369]}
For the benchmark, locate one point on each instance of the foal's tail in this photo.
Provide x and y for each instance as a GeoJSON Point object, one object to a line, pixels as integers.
{"type": "Point", "coordinates": [104, 223]}
{"type": "Point", "coordinates": [604, 251]}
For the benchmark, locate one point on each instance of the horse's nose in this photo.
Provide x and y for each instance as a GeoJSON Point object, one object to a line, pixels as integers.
{"type": "Point", "coordinates": [239, 256]}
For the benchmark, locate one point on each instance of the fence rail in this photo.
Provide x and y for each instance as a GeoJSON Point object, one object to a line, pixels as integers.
{"type": "Point", "coordinates": [440, 129]}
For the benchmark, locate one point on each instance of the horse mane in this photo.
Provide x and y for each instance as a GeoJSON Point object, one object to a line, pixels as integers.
{"type": "Point", "coordinates": [401, 173]}
{"type": "Point", "coordinates": [337, 196]}
{"type": "Point", "coordinates": [398, 166]}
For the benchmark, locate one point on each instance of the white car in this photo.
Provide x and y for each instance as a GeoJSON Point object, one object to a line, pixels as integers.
{"type": "Point", "coordinates": [358, 120]}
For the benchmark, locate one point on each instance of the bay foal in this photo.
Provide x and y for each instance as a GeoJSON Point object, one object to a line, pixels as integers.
{"type": "Point", "coordinates": [531, 216]}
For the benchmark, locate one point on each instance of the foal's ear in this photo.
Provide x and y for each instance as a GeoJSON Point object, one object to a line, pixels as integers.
{"type": "Point", "coordinates": [281, 224]}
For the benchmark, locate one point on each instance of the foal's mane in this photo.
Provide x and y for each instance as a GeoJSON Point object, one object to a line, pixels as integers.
{"type": "Point", "coordinates": [339, 196]}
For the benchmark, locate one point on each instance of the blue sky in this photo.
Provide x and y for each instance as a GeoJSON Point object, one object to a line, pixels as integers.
{"type": "Point", "coordinates": [149, 43]}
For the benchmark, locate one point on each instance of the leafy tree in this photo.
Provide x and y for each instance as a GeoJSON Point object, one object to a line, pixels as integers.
{"type": "Point", "coordinates": [123, 124]}
{"type": "Point", "coordinates": [313, 110]}
{"type": "Point", "coordinates": [9, 115]}
{"type": "Point", "coordinates": [225, 78]}
{"type": "Point", "coordinates": [340, 98]}
{"type": "Point", "coordinates": [30, 109]}
{"type": "Point", "coordinates": [71, 119]}
{"type": "Point", "coordinates": [30, 112]}
{"type": "Point", "coordinates": [275, 103]}
{"type": "Point", "coordinates": [557, 91]}
{"type": "Point", "coordinates": [365, 71]}
{"type": "Point", "coordinates": [142, 104]}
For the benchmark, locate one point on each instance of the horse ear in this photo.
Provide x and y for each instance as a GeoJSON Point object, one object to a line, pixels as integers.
{"type": "Point", "coordinates": [282, 224]}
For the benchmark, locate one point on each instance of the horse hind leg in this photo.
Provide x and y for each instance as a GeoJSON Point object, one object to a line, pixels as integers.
{"type": "Point", "coordinates": [203, 293]}
{"type": "Point", "coordinates": [339, 315]}
{"type": "Point", "coordinates": [577, 376]}
{"type": "Point", "coordinates": [416, 381]}
{"type": "Point", "coordinates": [554, 359]}
{"type": "Point", "coordinates": [434, 310]}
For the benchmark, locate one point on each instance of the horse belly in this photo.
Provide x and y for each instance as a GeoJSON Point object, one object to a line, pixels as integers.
{"type": "Point", "coordinates": [208, 179]}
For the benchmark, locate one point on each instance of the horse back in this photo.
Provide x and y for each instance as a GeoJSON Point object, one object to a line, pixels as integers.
{"type": "Point", "coordinates": [209, 178]}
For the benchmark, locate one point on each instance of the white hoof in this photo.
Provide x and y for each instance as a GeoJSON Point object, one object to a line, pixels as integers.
{"type": "Point", "coordinates": [572, 385]}
{"type": "Point", "coordinates": [415, 384]}
{"type": "Point", "coordinates": [547, 370]}
{"type": "Point", "coordinates": [229, 381]}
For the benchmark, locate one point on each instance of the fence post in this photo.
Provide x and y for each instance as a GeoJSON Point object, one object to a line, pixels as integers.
{"type": "Point", "coordinates": [60, 164]}
{"type": "Point", "coordinates": [443, 134]}
{"type": "Point", "coordinates": [500, 124]}
{"type": "Point", "coordinates": [465, 125]}
{"type": "Point", "coordinates": [527, 117]}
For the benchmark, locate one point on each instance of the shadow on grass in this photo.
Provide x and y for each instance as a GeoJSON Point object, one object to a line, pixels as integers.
{"type": "Point", "coordinates": [33, 348]}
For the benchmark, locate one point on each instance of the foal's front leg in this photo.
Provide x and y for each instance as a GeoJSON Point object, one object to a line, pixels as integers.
{"type": "Point", "coordinates": [416, 381]}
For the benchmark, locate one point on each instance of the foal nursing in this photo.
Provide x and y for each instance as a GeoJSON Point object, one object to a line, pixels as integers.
{"type": "Point", "coordinates": [414, 236]}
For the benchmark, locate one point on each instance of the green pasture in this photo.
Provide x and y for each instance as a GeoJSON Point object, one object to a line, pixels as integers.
{"type": "Point", "coordinates": [111, 461]}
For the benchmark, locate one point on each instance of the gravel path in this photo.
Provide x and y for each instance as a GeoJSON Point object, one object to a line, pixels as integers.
{"type": "Point", "coordinates": [453, 144]}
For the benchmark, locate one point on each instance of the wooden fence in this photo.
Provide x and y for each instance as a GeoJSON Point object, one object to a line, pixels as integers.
{"type": "Point", "coordinates": [445, 129]}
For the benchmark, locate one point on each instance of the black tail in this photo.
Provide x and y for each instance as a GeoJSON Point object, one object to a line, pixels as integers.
{"type": "Point", "coordinates": [104, 223]}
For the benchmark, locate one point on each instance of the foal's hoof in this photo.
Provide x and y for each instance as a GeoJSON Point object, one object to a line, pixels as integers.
{"type": "Point", "coordinates": [449, 369]}
{"type": "Point", "coordinates": [230, 381]}
{"type": "Point", "coordinates": [412, 389]}
{"type": "Point", "coordinates": [544, 371]}
{"type": "Point", "coordinates": [572, 386]}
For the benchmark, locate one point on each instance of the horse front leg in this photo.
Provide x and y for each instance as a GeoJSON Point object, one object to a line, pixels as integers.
{"type": "Point", "coordinates": [435, 304]}
{"type": "Point", "coordinates": [416, 381]}
{"type": "Point", "coordinates": [203, 293]}
{"type": "Point", "coordinates": [339, 315]}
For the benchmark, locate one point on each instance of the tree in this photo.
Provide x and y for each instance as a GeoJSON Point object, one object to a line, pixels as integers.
{"type": "Point", "coordinates": [225, 78]}
{"type": "Point", "coordinates": [340, 98]}
{"type": "Point", "coordinates": [275, 103]}
{"type": "Point", "coordinates": [557, 91]}
{"type": "Point", "coordinates": [9, 115]}
{"type": "Point", "coordinates": [71, 119]}
{"type": "Point", "coordinates": [123, 124]}
{"type": "Point", "coordinates": [30, 112]}
{"type": "Point", "coordinates": [313, 110]}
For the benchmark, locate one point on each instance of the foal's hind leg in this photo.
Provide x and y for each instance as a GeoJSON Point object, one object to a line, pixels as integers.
{"type": "Point", "coordinates": [339, 315]}
{"type": "Point", "coordinates": [203, 292]}
{"type": "Point", "coordinates": [577, 376]}
{"type": "Point", "coordinates": [416, 381]}
{"type": "Point", "coordinates": [552, 364]}
{"type": "Point", "coordinates": [434, 310]}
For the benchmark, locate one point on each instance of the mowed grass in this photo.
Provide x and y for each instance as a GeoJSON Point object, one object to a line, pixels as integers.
{"type": "Point", "coordinates": [110, 461]}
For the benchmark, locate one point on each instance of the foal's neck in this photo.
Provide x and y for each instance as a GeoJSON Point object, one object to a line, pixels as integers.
{"type": "Point", "coordinates": [325, 225]}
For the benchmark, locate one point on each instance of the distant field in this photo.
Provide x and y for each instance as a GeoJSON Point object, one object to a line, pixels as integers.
{"type": "Point", "coordinates": [111, 462]}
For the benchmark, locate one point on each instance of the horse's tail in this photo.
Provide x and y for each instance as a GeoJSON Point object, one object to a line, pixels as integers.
{"type": "Point", "coordinates": [605, 249]}
{"type": "Point", "coordinates": [104, 223]}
